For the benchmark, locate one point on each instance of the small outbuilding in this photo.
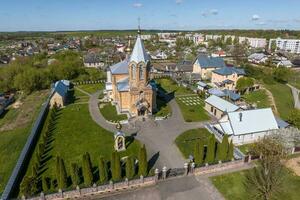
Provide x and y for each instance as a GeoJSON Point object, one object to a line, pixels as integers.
{"type": "Point", "coordinates": [60, 93]}
{"type": "Point", "coordinates": [218, 107]}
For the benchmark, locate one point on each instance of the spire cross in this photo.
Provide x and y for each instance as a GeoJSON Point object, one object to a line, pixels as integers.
{"type": "Point", "coordinates": [139, 25]}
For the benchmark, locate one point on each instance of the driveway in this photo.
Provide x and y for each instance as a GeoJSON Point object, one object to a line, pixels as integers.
{"type": "Point", "coordinates": [158, 136]}
{"type": "Point", "coordinates": [295, 93]}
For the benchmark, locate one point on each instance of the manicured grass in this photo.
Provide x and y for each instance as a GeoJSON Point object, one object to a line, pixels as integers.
{"type": "Point", "coordinates": [232, 186]}
{"type": "Point", "coordinates": [76, 133]}
{"type": "Point", "coordinates": [91, 88]}
{"type": "Point", "coordinates": [245, 148]}
{"type": "Point", "coordinates": [283, 98]}
{"type": "Point", "coordinates": [260, 98]}
{"type": "Point", "coordinates": [170, 86]}
{"type": "Point", "coordinates": [109, 112]}
{"type": "Point", "coordinates": [193, 113]}
{"type": "Point", "coordinates": [163, 108]}
{"type": "Point", "coordinates": [186, 141]}
{"type": "Point", "coordinates": [16, 127]}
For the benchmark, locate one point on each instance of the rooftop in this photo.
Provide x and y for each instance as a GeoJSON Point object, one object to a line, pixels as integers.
{"type": "Point", "coordinates": [221, 104]}
{"type": "Point", "coordinates": [210, 62]}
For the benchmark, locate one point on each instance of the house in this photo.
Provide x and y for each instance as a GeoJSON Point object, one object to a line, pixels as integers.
{"type": "Point", "coordinates": [285, 63]}
{"type": "Point", "coordinates": [204, 65]}
{"type": "Point", "coordinates": [160, 55]}
{"type": "Point", "coordinates": [201, 86]}
{"type": "Point", "coordinates": [231, 95]}
{"type": "Point", "coordinates": [258, 58]}
{"type": "Point", "coordinates": [128, 82]}
{"type": "Point", "coordinates": [60, 93]}
{"type": "Point", "coordinates": [246, 126]}
{"type": "Point", "coordinates": [226, 77]}
{"type": "Point", "coordinates": [220, 53]}
{"type": "Point", "coordinates": [218, 107]}
{"type": "Point", "coordinates": [92, 60]}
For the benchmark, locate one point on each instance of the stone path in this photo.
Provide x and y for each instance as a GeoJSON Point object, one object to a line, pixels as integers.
{"type": "Point", "coordinates": [158, 136]}
{"type": "Point", "coordinates": [295, 93]}
{"type": "Point", "coordinates": [271, 98]}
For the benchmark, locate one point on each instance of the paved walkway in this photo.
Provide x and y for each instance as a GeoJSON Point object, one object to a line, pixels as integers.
{"type": "Point", "coordinates": [158, 136]}
{"type": "Point", "coordinates": [295, 93]}
{"type": "Point", "coordinates": [81, 90]}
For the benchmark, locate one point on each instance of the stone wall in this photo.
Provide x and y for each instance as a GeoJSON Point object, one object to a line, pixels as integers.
{"type": "Point", "coordinates": [218, 167]}
{"type": "Point", "coordinates": [97, 190]}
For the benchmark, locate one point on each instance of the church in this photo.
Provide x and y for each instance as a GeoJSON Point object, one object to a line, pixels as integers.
{"type": "Point", "coordinates": [128, 82]}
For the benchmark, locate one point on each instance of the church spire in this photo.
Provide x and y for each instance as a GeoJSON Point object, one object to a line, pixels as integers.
{"type": "Point", "coordinates": [139, 26]}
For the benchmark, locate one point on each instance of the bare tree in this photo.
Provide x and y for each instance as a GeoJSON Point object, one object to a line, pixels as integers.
{"type": "Point", "coordinates": [265, 180]}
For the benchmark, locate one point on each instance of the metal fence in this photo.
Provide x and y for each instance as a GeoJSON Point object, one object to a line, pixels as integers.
{"type": "Point", "coordinates": [24, 156]}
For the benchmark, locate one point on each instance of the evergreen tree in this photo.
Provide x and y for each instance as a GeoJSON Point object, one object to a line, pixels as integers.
{"type": "Point", "coordinates": [57, 167]}
{"type": "Point", "coordinates": [230, 151]}
{"type": "Point", "coordinates": [34, 171]}
{"type": "Point", "coordinates": [130, 167]}
{"type": "Point", "coordinates": [87, 170]}
{"type": "Point", "coordinates": [143, 162]}
{"type": "Point", "coordinates": [103, 174]}
{"type": "Point", "coordinates": [75, 174]}
{"type": "Point", "coordinates": [225, 147]}
{"type": "Point", "coordinates": [116, 174]}
{"type": "Point", "coordinates": [63, 177]}
{"type": "Point", "coordinates": [198, 153]}
{"type": "Point", "coordinates": [45, 184]}
{"type": "Point", "coordinates": [28, 186]}
{"type": "Point", "coordinates": [210, 153]}
{"type": "Point", "coordinates": [113, 164]}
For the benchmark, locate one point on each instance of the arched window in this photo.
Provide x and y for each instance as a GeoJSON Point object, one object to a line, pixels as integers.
{"type": "Point", "coordinates": [141, 69]}
{"type": "Point", "coordinates": [133, 72]}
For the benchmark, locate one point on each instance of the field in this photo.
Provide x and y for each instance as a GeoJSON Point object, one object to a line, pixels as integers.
{"type": "Point", "coordinates": [192, 108]}
{"type": "Point", "coordinates": [91, 88]}
{"type": "Point", "coordinates": [260, 98]}
{"type": "Point", "coordinates": [283, 98]}
{"type": "Point", "coordinates": [109, 112]}
{"type": "Point", "coordinates": [15, 126]}
{"type": "Point", "coordinates": [170, 86]}
{"type": "Point", "coordinates": [186, 141]}
{"type": "Point", "coordinates": [232, 186]}
{"type": "Point", "coordinates": [76, 133]}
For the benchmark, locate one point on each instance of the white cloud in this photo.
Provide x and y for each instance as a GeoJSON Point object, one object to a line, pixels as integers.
{"type": "Point", "coordinates": [261, 23]}
{"type": "Point", "coordinates": [214, 11]}
{"type": "Point", "coordinates": [204, 14]}
{"type": "Point", "coordinates": [178, 1]}
{"type": "Point", "coordinates": [137, 5]}
{"type": "Point", "coordinates": [255, 17]}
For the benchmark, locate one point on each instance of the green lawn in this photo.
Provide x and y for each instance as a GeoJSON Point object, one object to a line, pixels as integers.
{"type": "Point", "coordinates": [245, 148]}
{"type": "Point", "coordinates": [232, 186]}
{"type": "Point", "coordinates": [109, 112]}
{"type": "Point", "coordinates": [169, 86]}
{"type": "Point", "coordinates": [283, 98]}
{"type": "Point", "coordinates": [193, 113]}
{"type": "Point", "coordinates": [260, 98]}
{"type": "Point", "coordinates": [76, 133]}
{"type": "Point", "coordinates": [294, 79]}
{"type": "Point", "coordinates": [186, 141]}
{"type": "Point", "coordinates": [163, 108]}
{"type": "Point", "coordinates": [91, 88]}
{"type": "Point", "coordinates": [15, 127]}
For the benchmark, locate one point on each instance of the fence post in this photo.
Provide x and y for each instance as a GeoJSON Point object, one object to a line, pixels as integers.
{"type": "Point", "coordinates": [60, 193]}
{"type": "Point", "coordinates": [192, 167]}
{"type": "Point", "coordinates": [142, 179]}
{"type": "Point", "coordinates": [42, 196]}
{"type": "Point", "coordinates": [156, 174]}
{"type": "Point", "coordinates": [111, 185]}
{"type": "Point", "coordinates": [23, 197]}
{"type": "Point", "coordinates": [249, 158]}
{"type": "Point", "coordinates": [164, 172]}
{"type": "Point", "coordinates": [78, 190]}
{"type": "Point", "coordinates": [186, 170]}
{"type": "Point", "coordinates": [126, 181]}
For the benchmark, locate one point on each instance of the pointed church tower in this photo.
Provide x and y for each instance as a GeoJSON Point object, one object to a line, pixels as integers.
{"type": "Point", "coordinates": [139, 64]}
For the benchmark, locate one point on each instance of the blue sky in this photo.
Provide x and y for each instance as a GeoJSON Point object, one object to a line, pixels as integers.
{"type": "Point", "coordinates": [44, 15]}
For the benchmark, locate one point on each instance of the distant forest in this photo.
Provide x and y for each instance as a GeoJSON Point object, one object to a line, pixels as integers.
{"type": "Point", "coordinates": [109, 33]}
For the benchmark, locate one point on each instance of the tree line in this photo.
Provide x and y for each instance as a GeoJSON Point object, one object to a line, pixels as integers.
{"type": "Point", "coordinates": [29, 74]}
{"type": "Point", "coordinates": [214, 152]}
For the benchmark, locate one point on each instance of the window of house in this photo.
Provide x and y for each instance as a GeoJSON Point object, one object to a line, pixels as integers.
{"type": "Point", "coordinates": [211, 109]}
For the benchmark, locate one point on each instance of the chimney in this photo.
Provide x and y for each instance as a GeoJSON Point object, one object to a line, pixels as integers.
{"type": "Point", "coordinates": [241, 116]}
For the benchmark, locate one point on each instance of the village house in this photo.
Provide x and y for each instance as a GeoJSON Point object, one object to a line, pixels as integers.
{"type": "Point", "coordinates": [218, 107]}
{"type": "Point", "coordinates": [204, 65]}
{"type": "Point", "coordinates": [60, 93]}
{"type": "Point", "coordinates": [226, 77]}
{"type": "Point", "coordinates": [128, 83]}
{"type": "Point", "coordinates": [93, 60]}
{"type": "Point", "coordinates": [258, 58]}
{"type": "Point", "coordinates": [246, 126]}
